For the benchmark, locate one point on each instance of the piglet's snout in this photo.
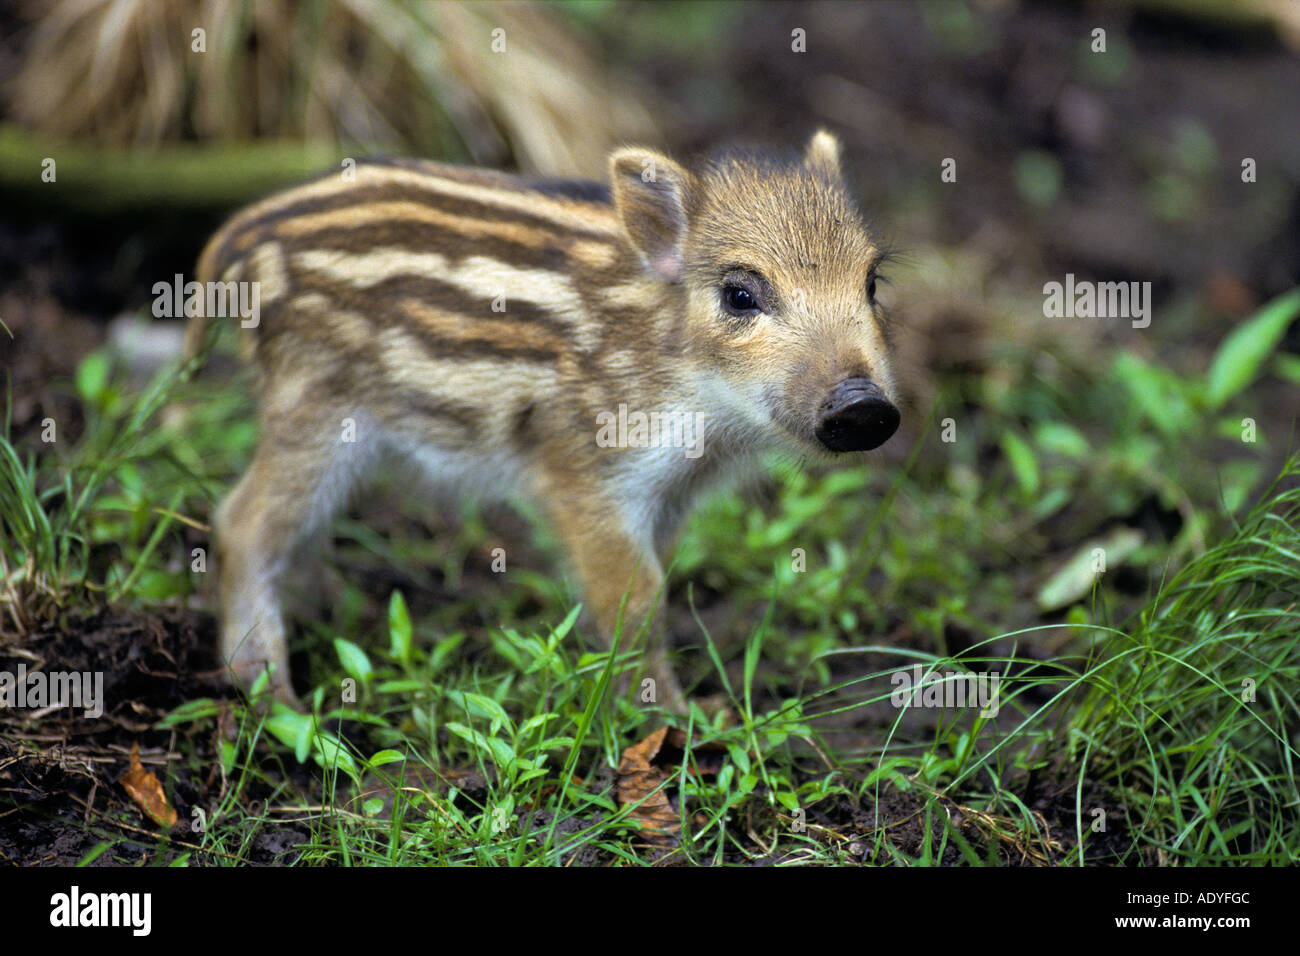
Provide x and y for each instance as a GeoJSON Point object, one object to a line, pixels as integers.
{"type": "Point", "coordinates": [856, 416]}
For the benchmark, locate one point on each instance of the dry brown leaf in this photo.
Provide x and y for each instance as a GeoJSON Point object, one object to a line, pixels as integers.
{"type": "Point", "coordinates": [638, 778]}
{"type": "Point", "coordinates": [646, 766]}
{"type": "Point", "coordinates": [146, 790]}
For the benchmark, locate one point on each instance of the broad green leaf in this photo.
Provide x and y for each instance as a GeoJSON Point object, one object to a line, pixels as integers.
{"type": "Point", "coordinates": [1238, 360]}
{"type": "Point", "coordinates": [443, 651]}
{"type": "Point", "coordinates": [788, 800]}
{"type": "Point", "coordinates": [228, 754]}
{"type": "Point", "coordinates": [353, 659]}
{"type": "Point", "coordinates": [299, 732]}
{"type": "Point", "coordinates": [1075, 579]}
{"type": "Point", "coordinates": [1287, 366]}
{"type": "Point", "coordinates": [189, 711]}
{"type": "Point", "coordinates": [565, 626]}
{"type": "Point", "coordinates": [532, 723]}
{"type": "Point", "coordinates": [290, 728]}
{"type": "Point", "coordinates": [479, 740]}
{"type": "Point", "coordinates": [1024, 464]}
{"type": "Point", "coordinates": [478, 705]}
{"type": "Point", "coordinates": [1061, 438]}
{"type": "Point", "coordinates": [775, 738]}
{"type": "Point", "coordinates": [739, 758]}
{"type": "Point", "coordinates": [330, 752]}
{"type": "Point", "coordinates": [92, 377]}
{"type": "Point", "coordinates": [403, 686]}
{"type": "Point", "coordinates": [386, 756]}
{"type": "Point", "coordinates": [1163, 397]}
{"type": "Point", "coordinates": [302, 745]}
{"type": "Point", "coordinates": [399, 629]}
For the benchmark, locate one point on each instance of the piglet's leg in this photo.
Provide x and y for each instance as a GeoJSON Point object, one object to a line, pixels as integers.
{"type": "Point", "coordinates": [612, 565]}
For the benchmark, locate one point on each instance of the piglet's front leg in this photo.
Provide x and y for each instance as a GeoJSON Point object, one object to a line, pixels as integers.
{"type": "Point", "coordinates": [612, 566]}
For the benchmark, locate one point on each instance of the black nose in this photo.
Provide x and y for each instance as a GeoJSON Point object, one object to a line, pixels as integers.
{"type": "Point", "coordinates": [856, 416]}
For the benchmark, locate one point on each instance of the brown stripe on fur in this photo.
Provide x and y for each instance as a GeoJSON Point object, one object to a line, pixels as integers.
{"type": "Point", "coordinates": [408, 319]}
{"type": "Point", "coordinates": [435, 294]}
{"type": "Point", "coordinates": [360, 195]}
{"type": "Point", "coordinates": [526, 250]}
{"type": "Point", "coordinates": [502, 191]}
{"type": "Point", "coordinates": [562, 188]}
{"type": "Point", "coordinates": [453, 326]}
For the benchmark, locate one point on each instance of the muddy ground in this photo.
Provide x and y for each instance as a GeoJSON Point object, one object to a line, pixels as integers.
{"type": "Point", "coordinates": [60, 776]}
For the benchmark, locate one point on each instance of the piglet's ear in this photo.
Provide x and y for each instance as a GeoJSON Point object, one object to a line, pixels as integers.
{"type": "Point", "coordinates": [651, 195]}
{"type": "Point", "coordinates": [823, 153]}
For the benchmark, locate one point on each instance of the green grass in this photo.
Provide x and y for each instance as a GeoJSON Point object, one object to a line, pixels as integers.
{"type": "Point", "coordinates": [1192, 716]}
{"type": "Point", "coordinates": [1157, 697]}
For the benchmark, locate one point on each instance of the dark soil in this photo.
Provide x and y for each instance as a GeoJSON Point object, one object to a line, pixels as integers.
{"type": "Point", "coordinates": [61, 793]}
{"type": "Point", "coordinates": [60, 790]}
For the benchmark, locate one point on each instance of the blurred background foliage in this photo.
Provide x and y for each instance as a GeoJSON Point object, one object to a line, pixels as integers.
{"type": "Point", "coordinates": [496, 84]}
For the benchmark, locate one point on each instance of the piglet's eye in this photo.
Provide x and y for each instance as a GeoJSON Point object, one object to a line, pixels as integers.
{"type": "Point", "coordinates": [738, 300]}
